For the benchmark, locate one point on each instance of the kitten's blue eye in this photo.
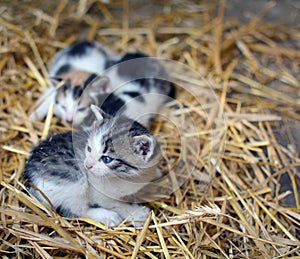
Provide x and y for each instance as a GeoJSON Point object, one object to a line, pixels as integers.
{"type": "Point", "coordinates": [106, 159]}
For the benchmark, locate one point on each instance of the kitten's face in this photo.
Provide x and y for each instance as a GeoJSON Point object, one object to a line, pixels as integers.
{"type": "Point", "coordinates": [78, 91]}
{"type": "Point", "coordinates": [118, 146]}
{"type": "Point", "coordinates": [66, 102]}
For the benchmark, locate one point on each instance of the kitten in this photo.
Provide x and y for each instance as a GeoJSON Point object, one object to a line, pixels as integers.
{"type": "Point", "coordinates": [142, 83]}
{"type": "Point", "coordinates": [76, 92]}
{"type": "Point", "coordinates": [89, 175]}
{"type": "Point", "coordinates": [73, 64]}
{"type": "Point", "coordinates": [138, 85]}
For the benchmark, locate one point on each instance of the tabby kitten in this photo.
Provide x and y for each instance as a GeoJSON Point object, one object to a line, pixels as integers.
{"type": "Point", "coordinates": [90, 174]}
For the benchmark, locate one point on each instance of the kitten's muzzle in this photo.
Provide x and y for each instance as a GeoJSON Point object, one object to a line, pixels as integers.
{"type": "Point", "coordinates": [88, 166]}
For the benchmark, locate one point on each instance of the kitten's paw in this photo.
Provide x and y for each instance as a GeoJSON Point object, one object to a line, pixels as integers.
{"type": "Point", "coordinates": [113, 220]}
{"type": "Point", "coordinates": [107, 217]}
{"type": "Point", "coordinates": [139, 216]}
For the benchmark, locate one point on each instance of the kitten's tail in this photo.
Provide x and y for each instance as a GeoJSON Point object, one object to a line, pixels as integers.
{"type": "Point", "coordinates": [41, 107]}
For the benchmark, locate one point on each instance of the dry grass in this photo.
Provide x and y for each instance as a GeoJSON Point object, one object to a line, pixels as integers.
{"type": "Point", "coordinates": [244, 80]}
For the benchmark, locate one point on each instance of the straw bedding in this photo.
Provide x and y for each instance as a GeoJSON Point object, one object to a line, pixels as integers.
{"type": "Point", "coordinates": [230, 147]}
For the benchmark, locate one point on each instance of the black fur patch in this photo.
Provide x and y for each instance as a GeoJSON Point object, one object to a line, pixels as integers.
{"type": "Point", "coordinates": [111, 104]}
{"type": "Point", "coordinates": [130, 56]}
{"type": "Point", "coordinates": [137, 129]}
{"type": "Point", "coordinates": [77, 91]}
{"type": "Point", "coordinates": [94, 206]}
{"type": "Point", "coordinates": [64, 212]}
{"type": "Point", "coordinates": [172, 92]}
{"type": "Point", "coordinates": [145, 82]}
{"type": "Point", "coordinates": [136, 95]}
{"type": "Point", "coordinates": [132, 94]}
{"type": "Point", "coordinates": [125, 163]}
{"type": "Point", "coordinates": [79, 49]}
{"type": "Point", "coordinates": [108, 146]}
{"type": "Point", "coordinates": [64, 69]}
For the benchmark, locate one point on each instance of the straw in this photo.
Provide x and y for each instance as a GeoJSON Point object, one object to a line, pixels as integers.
{"type": "Point", "coordinates": [230, 140]}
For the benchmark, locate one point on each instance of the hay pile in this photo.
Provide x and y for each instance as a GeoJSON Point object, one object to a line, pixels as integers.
{"type": "Point", "coordinates": [240, 94]}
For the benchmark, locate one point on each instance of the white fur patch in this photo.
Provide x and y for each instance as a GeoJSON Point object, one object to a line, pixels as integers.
{"type": "Point", "coordinates": [71, 195]}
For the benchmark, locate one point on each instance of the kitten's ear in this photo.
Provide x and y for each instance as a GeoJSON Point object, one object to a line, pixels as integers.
{"type": "Point", "coordinates": [143, 146]}
{"type": "Point", "coordinates": [100, 84]}
{"type": "Point", "coordinates": [100, 115]}
{"type": "Point", "coordinates": [55, 80]}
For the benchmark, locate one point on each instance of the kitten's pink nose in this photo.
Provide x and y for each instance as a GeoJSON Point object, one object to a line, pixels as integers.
{"type": "Point", "coordinates": [88, 166]}
{"type": "Point", "coordinates": [69, 121]}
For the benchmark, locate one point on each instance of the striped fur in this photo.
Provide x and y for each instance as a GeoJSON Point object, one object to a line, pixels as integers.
{"type": "Point", "coordinates": [89, 174]}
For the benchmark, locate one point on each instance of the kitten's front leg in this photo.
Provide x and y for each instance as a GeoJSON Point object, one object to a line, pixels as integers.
{"type": "Point", "coordinates": [133, 213]}
{"type": "Point", "coordinates": [107, 217]}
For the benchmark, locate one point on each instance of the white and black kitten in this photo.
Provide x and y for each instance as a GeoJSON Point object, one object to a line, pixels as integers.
{"type": "Point", "coordinates": [142, 84]}
{"type": "Point", "coordinates": [90, 174]}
